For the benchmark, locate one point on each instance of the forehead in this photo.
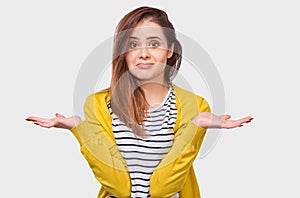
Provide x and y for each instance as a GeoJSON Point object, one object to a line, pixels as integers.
{"type": "Point", "coordinates": [146, 29]}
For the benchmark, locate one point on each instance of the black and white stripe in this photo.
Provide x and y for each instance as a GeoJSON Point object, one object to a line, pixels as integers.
{"type": "Point", "coordinates": [142, 155]}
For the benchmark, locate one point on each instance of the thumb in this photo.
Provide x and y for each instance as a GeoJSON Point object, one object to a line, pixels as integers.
{"type": "Point", "coordinates": [59, 115]}
{"type": "Point", "coordinates": [226, 117]}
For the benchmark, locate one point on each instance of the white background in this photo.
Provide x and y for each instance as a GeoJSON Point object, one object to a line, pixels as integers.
{"type": "Point", "coordinates": [254, 44]}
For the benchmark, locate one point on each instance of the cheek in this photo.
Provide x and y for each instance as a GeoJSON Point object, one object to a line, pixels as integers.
{"type": "Point", "coordinates": [129, 60]}
{"type": "Point", "coordinates": [162, 57]}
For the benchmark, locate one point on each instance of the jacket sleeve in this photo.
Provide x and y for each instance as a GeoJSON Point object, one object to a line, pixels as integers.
{"type": "Point", "coordinates": [101, 152]}
{"type": "Point", "coordinates": [171, 175]}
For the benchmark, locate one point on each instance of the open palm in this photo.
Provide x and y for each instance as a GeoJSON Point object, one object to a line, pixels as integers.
{"type": "Point", "coordinates": [210, 120]}
{"type": "Point", "coordinates": [59, 121]}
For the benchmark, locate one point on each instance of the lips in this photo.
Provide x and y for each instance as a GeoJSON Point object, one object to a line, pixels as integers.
{"type": "Point", "coordinates": [144, 65]}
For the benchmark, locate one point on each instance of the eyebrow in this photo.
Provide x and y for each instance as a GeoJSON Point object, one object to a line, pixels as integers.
{"type": "Point", "coordinates": [148, 38]}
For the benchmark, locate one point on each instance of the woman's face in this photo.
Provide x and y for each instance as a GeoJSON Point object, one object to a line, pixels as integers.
{"type": "Point", "coordinates": [147, 53]}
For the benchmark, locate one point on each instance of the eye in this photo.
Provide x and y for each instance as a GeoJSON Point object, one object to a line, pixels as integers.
{"type": "Point", "coordinates": [154, 44]}
{"type": "Point", "coordinates": [133, 45]}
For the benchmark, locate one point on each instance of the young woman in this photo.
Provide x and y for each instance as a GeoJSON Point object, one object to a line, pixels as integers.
{"type": "Point", "coordinates": [141, 135]}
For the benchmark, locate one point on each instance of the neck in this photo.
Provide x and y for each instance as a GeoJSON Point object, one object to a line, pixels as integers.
{"type": "Point", "coordinates": [154, 93]}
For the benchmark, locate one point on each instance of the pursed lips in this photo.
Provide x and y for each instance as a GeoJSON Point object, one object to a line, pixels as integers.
{"type": "Point", "coordinates": [144, 65]}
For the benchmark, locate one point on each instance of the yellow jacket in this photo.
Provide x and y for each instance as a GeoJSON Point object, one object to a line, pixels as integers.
{"type": "Point", "coordinates": [174, 173]}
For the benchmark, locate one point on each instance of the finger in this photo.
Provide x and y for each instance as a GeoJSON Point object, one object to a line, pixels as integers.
{"type": "Point", "coordinates": [246, 119]}
{"type": "Point", "coordinates": [250, 119]}
{"type": "Point", "coordinates": [32, 118]}
{"type": "Point", "coordinates": [59, 115]}
{"type": "Point", "coordinates": [226, 117]}
{"type": "Point", "coordinates": [229, 124]}
{"type": "Point", "coordinates": [42, 124]}
{"type": "Point", "coordinates": [236, 123]}
{"type": "Point", "coordinates": [242, 120]}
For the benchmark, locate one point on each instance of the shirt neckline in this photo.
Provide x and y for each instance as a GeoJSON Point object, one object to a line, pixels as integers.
{"type": "Point", "coordinates": [162, 103]}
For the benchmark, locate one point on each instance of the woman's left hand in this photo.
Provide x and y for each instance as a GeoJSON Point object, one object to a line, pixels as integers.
{"type": "Point", "coordinates": [210, 120]}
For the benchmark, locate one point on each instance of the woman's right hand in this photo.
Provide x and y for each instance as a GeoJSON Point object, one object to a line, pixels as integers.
{"type": "Point", "coordinates": [59, 121]}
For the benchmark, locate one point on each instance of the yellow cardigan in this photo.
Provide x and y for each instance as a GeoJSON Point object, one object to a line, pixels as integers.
{"type": "Point", "coordinates": [174, 173]}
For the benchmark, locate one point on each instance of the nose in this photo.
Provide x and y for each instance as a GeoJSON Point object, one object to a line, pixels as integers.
{"type": "Point", "coordinates": [144, 53]}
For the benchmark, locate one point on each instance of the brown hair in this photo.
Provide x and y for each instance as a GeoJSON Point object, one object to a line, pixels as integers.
{"type": "Point", "coordinates": [127, 99]}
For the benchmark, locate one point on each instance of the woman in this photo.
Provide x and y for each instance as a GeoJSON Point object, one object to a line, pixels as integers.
{"type": "Point", "coordinates": [141, 135]}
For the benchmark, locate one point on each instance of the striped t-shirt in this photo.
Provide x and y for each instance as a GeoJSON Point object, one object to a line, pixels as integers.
{"type": "Point", "coordinates": [143, 155]}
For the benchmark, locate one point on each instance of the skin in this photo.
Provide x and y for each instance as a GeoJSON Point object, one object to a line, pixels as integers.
{"type": "Point", "coordinates": [146, 60]}
{"type": "Point", "coordinates": [148, 52]}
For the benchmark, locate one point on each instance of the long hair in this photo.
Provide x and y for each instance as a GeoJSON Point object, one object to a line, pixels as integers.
{"type": "Point", "coordinates": [127, 98]}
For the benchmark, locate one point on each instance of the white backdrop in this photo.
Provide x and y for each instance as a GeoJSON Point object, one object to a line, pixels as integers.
{"type": "Point", "coordinates": [254, 44]}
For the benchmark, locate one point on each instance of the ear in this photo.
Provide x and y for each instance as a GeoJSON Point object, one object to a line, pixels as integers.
{"type": "Point", "coordinates": [171, 51]}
